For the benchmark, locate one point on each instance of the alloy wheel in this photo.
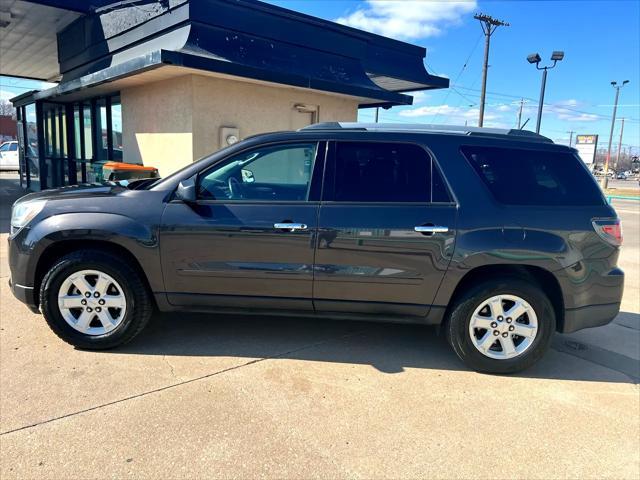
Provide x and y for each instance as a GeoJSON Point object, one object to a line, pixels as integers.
{"type": "Point", "coordinates": [92, 302]}
{"type": "Point", "coordinates": [503, 327]}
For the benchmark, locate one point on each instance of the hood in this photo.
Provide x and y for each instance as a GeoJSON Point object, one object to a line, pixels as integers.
{"type": "Point", "coordinates": [91, 190]}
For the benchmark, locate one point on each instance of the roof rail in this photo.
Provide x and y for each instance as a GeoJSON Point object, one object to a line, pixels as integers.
{"type": "Point", "coordinates": [426, 128]}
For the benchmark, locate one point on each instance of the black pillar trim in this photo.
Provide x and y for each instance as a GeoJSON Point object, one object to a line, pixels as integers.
{"type": "Point", "coordinates": [41, 144]}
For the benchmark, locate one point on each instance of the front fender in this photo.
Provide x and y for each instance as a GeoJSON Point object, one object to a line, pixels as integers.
{"type": "Point", "coordinates": [140, 240]}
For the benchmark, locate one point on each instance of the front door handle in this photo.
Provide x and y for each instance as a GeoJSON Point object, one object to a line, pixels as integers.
{"type": "Point", "coordinates": [431, 229]}
{"type": "Point", "coordinates": [289, 226]}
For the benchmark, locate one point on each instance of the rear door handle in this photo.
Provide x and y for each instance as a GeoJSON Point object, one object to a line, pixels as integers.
{"type": "Point", "coordinates": [291, 227]}
{"type": "Point", "coordinates": [430, 229]}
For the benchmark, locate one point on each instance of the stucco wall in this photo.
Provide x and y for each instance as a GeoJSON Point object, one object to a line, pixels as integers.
{"type": "Point", "coordinates": [172, 122]}
{"type": "Point", "coordinates": [157, 124]}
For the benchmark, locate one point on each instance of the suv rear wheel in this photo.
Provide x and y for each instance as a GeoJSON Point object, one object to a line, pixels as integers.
{"type": "Point", "coordinates": [501, 326]}
{"type": "Point", "coordinates": [94, 300]}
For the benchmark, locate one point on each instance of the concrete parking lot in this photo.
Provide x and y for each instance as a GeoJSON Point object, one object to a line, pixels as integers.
{"type": "Point", "coordinates": [199, 396]}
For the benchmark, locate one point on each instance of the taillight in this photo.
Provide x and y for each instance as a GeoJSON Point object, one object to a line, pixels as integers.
{"type": "Point", "coordinates": [609, 230]}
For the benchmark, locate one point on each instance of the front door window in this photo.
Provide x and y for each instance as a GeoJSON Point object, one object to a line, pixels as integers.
{"type": "Point", "coordinates": [275, 173]}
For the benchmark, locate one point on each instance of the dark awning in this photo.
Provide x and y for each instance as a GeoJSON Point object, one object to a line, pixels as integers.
{"type": "Point", "coordinates": [243, 38]}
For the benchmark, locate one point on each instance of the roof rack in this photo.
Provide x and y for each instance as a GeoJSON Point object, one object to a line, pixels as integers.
{"type": "Point", "coordinates": [426, 128]}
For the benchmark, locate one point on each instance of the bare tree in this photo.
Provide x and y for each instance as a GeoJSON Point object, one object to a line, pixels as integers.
{"type": "Point", "coordinates": [6, 108]}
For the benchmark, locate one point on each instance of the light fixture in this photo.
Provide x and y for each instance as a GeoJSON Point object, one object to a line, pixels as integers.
{"type": "Point", "coordinates": [534, 58]}
{"type": "Point", "coordinates": [557, 55]}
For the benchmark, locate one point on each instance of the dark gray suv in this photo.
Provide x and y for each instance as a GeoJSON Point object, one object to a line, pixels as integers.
{"type": "Point", "coordinates": [499, 236]}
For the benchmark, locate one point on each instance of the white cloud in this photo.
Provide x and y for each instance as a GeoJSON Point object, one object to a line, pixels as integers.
{"type": "Point", "coordinates": [565, 110]}
{"type": "Point", "coordinates": [6, 95]}
{"type": "Point", "coordinates": [449, 114]}
{"type": "Point", "coordinates": [419, 97]}
{"type": "Point", "coordinates": [407, 19]}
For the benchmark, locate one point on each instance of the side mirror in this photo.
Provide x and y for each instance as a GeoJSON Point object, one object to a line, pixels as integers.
{"type": "Point", "coordinates": [186, 190]}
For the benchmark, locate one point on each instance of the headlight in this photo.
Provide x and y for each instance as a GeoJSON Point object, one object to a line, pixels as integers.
{"type": "Point", "coordinates": [22, 213]}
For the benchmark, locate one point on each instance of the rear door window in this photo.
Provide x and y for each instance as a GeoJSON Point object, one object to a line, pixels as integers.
{"type": "Point", "coordinates": [381, 172]}
{"type": "Point", "coordinates": [534, 177]}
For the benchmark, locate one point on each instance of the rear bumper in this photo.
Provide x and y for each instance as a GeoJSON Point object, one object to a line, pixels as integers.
{"type": "Point", "coordinates": [590, 316]}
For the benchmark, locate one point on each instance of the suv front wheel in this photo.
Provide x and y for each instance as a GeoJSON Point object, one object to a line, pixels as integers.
{"type": "Point", "coordinates": [501, 326]}
{"type": "Point", "coordinates": [94, 300]}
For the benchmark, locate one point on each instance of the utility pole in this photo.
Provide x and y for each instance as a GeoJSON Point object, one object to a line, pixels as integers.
{"type": "Point", "coordinates": [619, 145]}
{"type": "Point", "coordinates": [377, 113]}
{"type": "Point", "coordinates": [571, 132]}
{"type": "Point", "coordinates": [605, 179]}
{"type": "Point", "coordinates": [489, 25]}
{"type": "Point", "coordinates": [520, 112]}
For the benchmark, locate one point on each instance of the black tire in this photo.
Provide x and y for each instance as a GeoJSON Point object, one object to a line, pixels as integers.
{"type": "Point", "coordinates": [139, 305]}
{"type": "Point", "coordinates": [457, 325]}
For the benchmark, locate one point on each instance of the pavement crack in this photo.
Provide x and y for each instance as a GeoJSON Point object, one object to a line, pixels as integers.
{"type": "Point", "coordinates": [166, 360]}
{"type": "Point", "coordinates": [184, 382]}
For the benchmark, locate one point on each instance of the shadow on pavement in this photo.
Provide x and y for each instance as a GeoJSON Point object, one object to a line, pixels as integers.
{"type": "Point", "coordinates": [390, 348]}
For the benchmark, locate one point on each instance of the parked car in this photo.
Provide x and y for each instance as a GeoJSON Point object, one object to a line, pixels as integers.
{"type": "Point", "coordinates": [621, 176]}
{"type": "Point", "coordinates": [9, 156]}
{"type": "Point", "coordinates": [499, 237]}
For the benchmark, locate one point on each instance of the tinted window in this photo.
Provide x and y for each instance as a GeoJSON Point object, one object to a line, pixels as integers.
{"type": "Point", "coordinates": [13, 147]}
{"type": "Point", "coordinates": [530, 177]}
{"type": "Point", "coordinates": [5, 147]}
{"type": "Point", "coordinates": [385, 172]}
{"type": "Point", "coordinates": [278, 173]}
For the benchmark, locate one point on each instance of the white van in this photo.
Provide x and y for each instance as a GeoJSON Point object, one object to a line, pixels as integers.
{"type": "Point", "coordinates": [9, 156]}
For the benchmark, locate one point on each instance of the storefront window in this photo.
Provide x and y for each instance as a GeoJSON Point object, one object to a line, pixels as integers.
{"type": "Point", "coordinates": [101, 130]}
{"type": "Point", "coordinates": [116, 128]}
{"type": "Point", "coordinates": [31, 147]}
{"type": "Point", "coordinates": [88, 144]}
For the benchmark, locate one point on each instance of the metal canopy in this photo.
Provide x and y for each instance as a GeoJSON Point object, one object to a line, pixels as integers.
{"type": "Point", "coordinates": [243, 38]}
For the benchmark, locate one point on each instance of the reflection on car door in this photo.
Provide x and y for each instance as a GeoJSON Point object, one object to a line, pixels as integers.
{"type": "Point", "coordinates": [247, 242]}
{"type": "Point", "coordinates": [386, 230]}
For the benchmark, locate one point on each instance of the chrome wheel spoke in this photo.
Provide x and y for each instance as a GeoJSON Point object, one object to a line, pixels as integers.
{"type": "Point", "coordinates": [92, 302]}
{"type": "Point", "coordinates": [516, 311]}
{"type": "Point", "coordinates": [102, 284]}
{"type": "Point", "coordinates": [82, 284]}
{"type": "Point", "coordinates": [486, 341]}
{"type": "Point", "coordinates": [508, 347]}
{"type": "Point", "coordinates": [105, 319]}
{"type": "Point", "coordinates": [496, 307]}
{"type": "Point", "coordinates": [481, 322]}
{"type": "Point", "coordinates": [114, 301]}
{"type": "Point", "coordinates": [71, 301]}
{"type": "Point", "coordinates": [84, 320]}
{"type": "Point", "coordinates": [524, 330]}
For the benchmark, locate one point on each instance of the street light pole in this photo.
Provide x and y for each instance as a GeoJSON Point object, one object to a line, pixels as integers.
{"type": "Point", "coordinates": [541, 102]}
{"type": "Point", "coordinates": [489, 25]}
{"type": "Point", "coordinates": [570, 132]}
{"type": "Point", "coordinates": [556, 56]}
{"type": "Point", "coordinates": [605, 180]}
{"type": "Point", "coordinates": [615, 166]}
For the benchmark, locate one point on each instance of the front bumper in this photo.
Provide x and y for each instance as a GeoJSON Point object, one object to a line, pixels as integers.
{"type": "Point", "coordinates": [25, 294]}
{"type": "Point", "coordinates": [21, 280]}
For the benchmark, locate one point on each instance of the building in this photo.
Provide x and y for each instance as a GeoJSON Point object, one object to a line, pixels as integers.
{"type": "Point", "coordinates": [165, 82]}
{"type": "Point", "coordinates": [8, 128]}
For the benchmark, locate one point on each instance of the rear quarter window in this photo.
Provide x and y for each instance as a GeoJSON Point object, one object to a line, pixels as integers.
{"type": "Point", "coordinates": [534, 177]}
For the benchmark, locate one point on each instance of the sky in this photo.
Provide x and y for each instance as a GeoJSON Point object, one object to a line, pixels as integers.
{"type": "Point", "coordinates": [601, 41]}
